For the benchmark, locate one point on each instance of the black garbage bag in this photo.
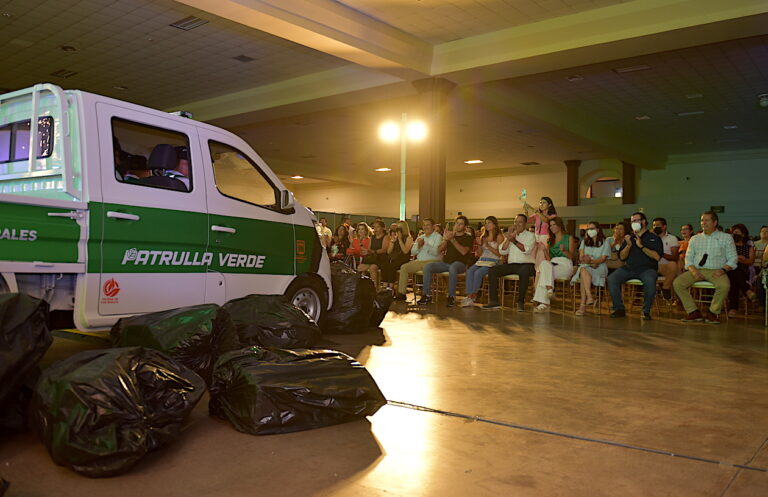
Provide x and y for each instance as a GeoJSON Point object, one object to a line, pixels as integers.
{"type": "Point", "coordinates": [265, 391]}
{"type": "Point", "coordinates": [272, 321]}
{"type": "Point", "coordinates": [14, 411]}
{"type": "Point", "coordinates": [24, 340]}
{"type": "Point", "coordinates": [194, 336]}
{"type": "Point", "coordinates": [353, 296]}
{"type": "Point", "coordinates": [381, 307]}
{"type": "Point", "coordinates": [100, 411]}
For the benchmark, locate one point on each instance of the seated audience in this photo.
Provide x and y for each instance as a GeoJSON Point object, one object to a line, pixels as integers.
{"type": "Point", "coordinates": [426, 248]}
{"type": "Point", "coordinates": [668, 263]}
{"type": "Point", "coordinates": [457, 246]}
{"type": "Point", "coordinates": [710, 256]}
{"type": "Point", "coordinates": [641, 252]}
{"type": "Point", "coordinates": [488, 255]}
{"type": "Point", "coordinates": [593, 252]}
{"type": "Point", "coordinates": [324, 232]}
{"type": "Point", "coordinates": [686, 232]}
{"type": "Point", "coordinates": [359, 242]}
{"type": "Point", "coordinates": [760, 246]}
{"type": "Point", "coordinates": [518, 246]}
{"type": "Point", "coordinates": [340, 242]}
{"type": "Point", "coordinates": [558, 263]}
{"type": "Point", "coordinates": [741, 275]}
{"type": "Point", "coordinates": [375, 256]}
{"type": "Point", "coordinates": [398, 252]}
{"type": "Point", "coordinates": [620, 231]}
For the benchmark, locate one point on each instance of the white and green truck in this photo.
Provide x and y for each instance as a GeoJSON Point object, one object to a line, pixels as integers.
{"type": "Point", "coordinates": [110, 209]}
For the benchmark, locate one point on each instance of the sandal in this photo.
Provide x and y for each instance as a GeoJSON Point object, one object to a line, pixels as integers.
{"type": "Point", "coordinates": [581, 311]}
{"type": "Point", "coordinates": [590, 302]}
{"type": "Point", "coordinates": [541, 308]}
{"type": "Point", "coordinates": [732, 313]}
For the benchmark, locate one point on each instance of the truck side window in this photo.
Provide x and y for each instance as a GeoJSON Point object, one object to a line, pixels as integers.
{"type": "Point", "coordinates": [14, 140]}
{"type": "Point", "coordinates": [238, 177]}
{"type": "Point", "coordinates": [150, 156]}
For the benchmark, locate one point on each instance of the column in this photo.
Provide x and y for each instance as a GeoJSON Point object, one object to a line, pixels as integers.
{"type": "Point", "coordinates": [572, 182]}
{"type": "Point", "coordinates": [433, 98]}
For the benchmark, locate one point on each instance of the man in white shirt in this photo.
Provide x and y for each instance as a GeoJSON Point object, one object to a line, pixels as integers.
{"type": "Point", "coordinates": [324, 232]}
{"type": "Point", "coordinates": [668, 263]}
{"type": "Point", "coordinates": [518, 247]}
{"type": "Point", "coordinates": [710, 255]}
{"type": "Point", "coordinates": [426, 248]}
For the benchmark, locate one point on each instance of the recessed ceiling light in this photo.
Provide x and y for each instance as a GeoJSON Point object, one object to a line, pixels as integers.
{"type": "Point", "coordinates": [642, 118]}
{"type": "Point", "coordinates": [7, 14]}
{"type": "Point", "coordinates": [530, 163]}
{"type": "Point", "coordinates": [68, 48]}
{"type": "Point", "coordinates": [641, 67]}
{"type": "Point", "coordinates": [575, 77]}
{"type": "Point", "coordinates": [473, 161]}
{"type": "Point", "coordinates": [692, 113]}
{"type": "Point", "coordinates": [382, 169]}
{"type": "Point", "coordinates": [188, 23]}
{"type": "Point", "coordinates": [63, 73]}
{"type": "Point", "coordinates": [297, 177]}
{"type": "Point", "coordinates": [244, 58]}
{"type": "Point", "coordinates": [730, 126]}
{"type": "Point", "coordinates": [694, 96]}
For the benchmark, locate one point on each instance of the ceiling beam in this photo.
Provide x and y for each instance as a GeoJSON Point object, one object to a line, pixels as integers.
{"type": "Point", "coordinates": [630, 23]}
{"type": "Point", "coordinates": [332, 28]}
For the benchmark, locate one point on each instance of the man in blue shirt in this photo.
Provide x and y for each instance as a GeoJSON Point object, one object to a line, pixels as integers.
{"type": "Point", "coordinates": [710, 255]}
{"type": "Point", "coordinates": [641, 251]}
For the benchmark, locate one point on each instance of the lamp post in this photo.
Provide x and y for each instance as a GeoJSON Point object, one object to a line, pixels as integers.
{"type": "Point", "coordinates": [391, 132]}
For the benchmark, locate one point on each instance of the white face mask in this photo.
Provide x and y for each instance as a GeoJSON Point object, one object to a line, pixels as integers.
{"type": "Point", "coordinates": [592, 233]}
{"type": "Point", "coordinates": [636, 227]}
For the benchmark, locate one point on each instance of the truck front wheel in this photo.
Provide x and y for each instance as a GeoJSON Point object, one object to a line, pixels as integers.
{"type": "Point", "coordinates": [309, 296]}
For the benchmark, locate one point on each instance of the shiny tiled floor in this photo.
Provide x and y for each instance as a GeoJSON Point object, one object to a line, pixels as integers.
{"type": "Point", "coordinates": [538, 405]}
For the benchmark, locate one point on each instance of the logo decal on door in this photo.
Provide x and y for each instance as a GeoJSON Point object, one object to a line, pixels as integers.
{"type": "Point", "coordinates": [301, 249]}
{"type": "Point", "coordinates": [111, 289]}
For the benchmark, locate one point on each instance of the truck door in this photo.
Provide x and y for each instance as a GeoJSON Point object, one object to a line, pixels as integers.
{"type": "Point", "coordinates": [251, 238]}
{"type": "Point", "coordinates": [153, 218]}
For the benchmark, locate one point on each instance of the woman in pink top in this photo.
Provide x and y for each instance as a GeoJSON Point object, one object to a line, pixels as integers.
{"type": "Point", "coordinates": [541, 218]}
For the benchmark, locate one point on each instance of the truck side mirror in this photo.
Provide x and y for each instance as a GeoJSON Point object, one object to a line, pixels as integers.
{"type": "Point", "coordinates": [286, 200]}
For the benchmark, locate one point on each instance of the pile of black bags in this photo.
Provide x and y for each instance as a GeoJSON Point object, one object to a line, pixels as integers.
{"type": "Point", "coordinates": [101, 411]}
{"type": "Point", "coordinates": [272, 321]}
{"type": "Point", "coordinates": [194, 336]}
{"type": "Point", "coordinates": [265, 391]}
{"type": "Point", "coordinates": [353, 301]}
{"type": "Point", "coordinates": [24, 340]}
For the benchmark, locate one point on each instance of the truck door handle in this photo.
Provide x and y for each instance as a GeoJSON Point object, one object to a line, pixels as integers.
{"type": "Point", "coordinates": [223, 229]}
{"type": "Point", "coordinates": [122, 215]}
{"type": "Point", "coordinates": [70, 214]}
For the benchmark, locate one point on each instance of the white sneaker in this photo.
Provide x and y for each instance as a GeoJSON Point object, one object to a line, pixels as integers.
{"type": "Point", "coordinates": [467, 302]}
{"type": "Point", "coordinates": [541, 308]}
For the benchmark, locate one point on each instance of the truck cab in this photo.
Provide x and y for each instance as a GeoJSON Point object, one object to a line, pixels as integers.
{"type": "Point", "coordinates": [111, 209]}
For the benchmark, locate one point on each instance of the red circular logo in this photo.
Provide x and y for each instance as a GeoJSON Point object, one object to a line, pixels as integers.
{"type": "Point", "coordinates": [111, 288]}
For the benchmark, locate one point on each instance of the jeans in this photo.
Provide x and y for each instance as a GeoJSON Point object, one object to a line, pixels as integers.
{"type": "Point", "coordinates": [475, 275]}
{"type": "Point", "coordinates": [523, 270]}
{"type": "Point", "coordinates": [454, 270]}
{"type": "Point", "coordinates": [646, 275]}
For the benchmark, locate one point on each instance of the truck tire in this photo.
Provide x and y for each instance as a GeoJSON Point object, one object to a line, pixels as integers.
{"type": "Point", "coordinates": [309, 295]}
